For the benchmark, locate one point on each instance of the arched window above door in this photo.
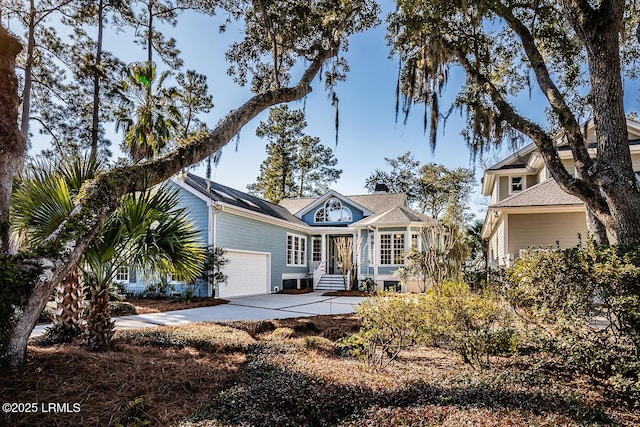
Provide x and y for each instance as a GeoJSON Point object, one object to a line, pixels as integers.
{"type": "Point", "coordinates": [333, 211]}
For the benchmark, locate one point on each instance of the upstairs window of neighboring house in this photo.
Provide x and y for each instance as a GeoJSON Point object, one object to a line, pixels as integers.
{"type": "Point", "coordinates": [296, 250]}
{"type": "Point", "coordinates": [333, 211]}
{"type": "Point", "coordinates": [122, 275]}
{"type": "Point", "coordinates": [391, 249]}
{"type": "Point", "coordinates": [517, 184]}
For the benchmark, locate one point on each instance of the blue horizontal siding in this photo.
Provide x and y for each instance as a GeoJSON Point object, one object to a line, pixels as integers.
{"type": "Point", "coordinates": [241, 233]}
{"type": "Point", "coordinates": [197, 210]}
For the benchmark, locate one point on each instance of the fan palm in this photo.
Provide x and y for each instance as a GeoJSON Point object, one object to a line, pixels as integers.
{"type": "Point", "coordinates": [147, 114]}
{"type": "Point", "coordinates": [146, 232]}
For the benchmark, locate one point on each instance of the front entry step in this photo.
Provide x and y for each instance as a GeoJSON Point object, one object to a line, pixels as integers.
{"type": "Point", "coordinates": [331, 282]}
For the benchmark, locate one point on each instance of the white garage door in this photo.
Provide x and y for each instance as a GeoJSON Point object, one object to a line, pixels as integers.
{"type": "Point", "coordinates": [248, 273]}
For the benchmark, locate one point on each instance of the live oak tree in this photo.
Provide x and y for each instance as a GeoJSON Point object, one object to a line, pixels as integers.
{"type": "Point", "coordinates": [576, 52]}
{"type": "Point", "coordinates": [307, 35]}
{"type": "Point", "coordinates": [297, 165]}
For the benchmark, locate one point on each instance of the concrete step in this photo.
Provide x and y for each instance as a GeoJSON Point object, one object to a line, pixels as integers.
{"type": "Point", "coordinates": [331, 282]}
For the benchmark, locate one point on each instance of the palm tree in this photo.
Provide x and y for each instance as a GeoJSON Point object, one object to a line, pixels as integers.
{"type": "Point", "coordinates": [42, 198]}
{"type": "Point", "coordinates": [147, 114]}
{"type": "Point", "coordinates": [147, 232]}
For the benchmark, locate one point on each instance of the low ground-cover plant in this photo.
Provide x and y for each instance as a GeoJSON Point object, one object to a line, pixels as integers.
{"type": "Point", "coordinates": [210, 337]}
{"type": "Point", "coordinates": [475, 325]}
{"type": "Point", "coordinates": [584, 306]}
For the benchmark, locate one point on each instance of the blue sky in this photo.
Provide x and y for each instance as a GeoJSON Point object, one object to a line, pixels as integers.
{"type": "Point", "coordinates": [368, 131]}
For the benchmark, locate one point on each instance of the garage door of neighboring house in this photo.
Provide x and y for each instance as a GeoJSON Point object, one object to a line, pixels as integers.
{"type": "Point", "coordinates": [248, 273]}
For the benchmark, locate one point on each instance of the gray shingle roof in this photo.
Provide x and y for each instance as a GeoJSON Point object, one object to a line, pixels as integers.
{"type": "Point", "coordinates": [399, 215]}
{"type": "Point", "coordinates": [546, 193]}
{"type": "Point", "coordinates": [376, 202]}
{"type": "Point", "coordinates": [240, 199]}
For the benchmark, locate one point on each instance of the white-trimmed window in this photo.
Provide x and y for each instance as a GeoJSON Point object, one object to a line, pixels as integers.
{"type": "Point", "coordinates": [333, 211]}
{"type": "Point", "coordinates": [296, 250]}
{"type": "Point", "coordinates": [122, 274]}
{"type": "Point", "coordinates": [516, 184]}
{"type": "Point", "coordinates": [391, 248]}
{"type": "Point", "coordinates": [316, 250]}
{"type": "Point", "coordinates": [415, 241]}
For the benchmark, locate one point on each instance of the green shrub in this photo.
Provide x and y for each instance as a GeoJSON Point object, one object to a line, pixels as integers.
{"type": "Point", "coordinates": [158, 290]}
{"type": "Point", "coordinates": [451, 315]}
{"type": "Point", "coordinates": [367, 285]}
{"type": "Point", "coordinates": [474, 324]}
{"type": "Point", "coordinates": [354, 345]}
{"type": "Point", "coordinates": [390, 323]}
{"type": "Point", "coordinates": [202, 336]}
{"type": "Point", "coordinates": [283, 333]}
{"type": "Point", "coordinates": [584, 306]}
{"type": "Point", "coordinates": [314, 341]}
{"type": "Point", "coordinates": [122, 308]}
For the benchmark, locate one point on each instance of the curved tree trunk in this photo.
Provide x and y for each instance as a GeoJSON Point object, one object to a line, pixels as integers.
{"type": "Point", "coordinates": [38, 271]}
{"type": "Point", "coordinates": [596, 228]}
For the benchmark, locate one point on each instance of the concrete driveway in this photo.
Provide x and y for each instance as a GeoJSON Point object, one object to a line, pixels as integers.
{"type": "Point", "coordinates": [257, 307]}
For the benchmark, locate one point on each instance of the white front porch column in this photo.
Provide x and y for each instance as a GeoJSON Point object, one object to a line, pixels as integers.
{"type": "Point", "coordinates": [323, 256]}
{"type": "Point", "coordinates": [375, 252]}
{"type": "Point", "coordinates": [354, 258]}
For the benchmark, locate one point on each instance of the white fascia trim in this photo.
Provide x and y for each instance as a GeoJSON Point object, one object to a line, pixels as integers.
{"type": "Point", "coordinates": [325, 197]}
{"type": "Point", "coordinates": [242, 251]}
{"type": "Point", "coordinates": [262, 217]}
{"type": "Point", "coordinates": [515, 156]}
{"type": "Point", "coordinates": [331, 230]}
{"type": "Point", "coordinates": [487, 226]}
{"type": "Point", "coordinates": [180, 183]}
{"type": "Point", "coordinates": [539, 209]}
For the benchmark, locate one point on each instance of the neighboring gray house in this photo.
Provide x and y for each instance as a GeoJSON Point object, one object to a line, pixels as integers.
{"type": "Point", "coordinates": [272, 247]}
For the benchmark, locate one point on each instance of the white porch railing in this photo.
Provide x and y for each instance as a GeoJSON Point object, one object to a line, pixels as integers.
{"type": "Point", "coordinates": [317, 274]}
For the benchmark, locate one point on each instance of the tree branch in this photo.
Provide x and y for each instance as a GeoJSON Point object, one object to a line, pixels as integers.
{"type": "Point", "coordinates": [564, 114]}
{"type": "Point", "coordinates": [99, 196]}
{"type": "Point", "coordinates": [580, 188]}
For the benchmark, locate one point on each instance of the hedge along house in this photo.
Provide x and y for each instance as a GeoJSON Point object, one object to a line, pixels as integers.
{"type": "Point", "coordinates": [291, 245]}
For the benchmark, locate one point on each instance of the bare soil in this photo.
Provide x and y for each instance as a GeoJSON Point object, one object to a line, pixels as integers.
{"type": "Point", "coordinates": [147, 305]}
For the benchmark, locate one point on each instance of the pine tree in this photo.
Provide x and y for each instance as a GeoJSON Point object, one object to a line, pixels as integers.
{"type": "Point", "coordinates": [297, 165]}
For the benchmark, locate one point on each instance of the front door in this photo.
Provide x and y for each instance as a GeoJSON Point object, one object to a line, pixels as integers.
{"type": "Point", "coordinates": [333, 253]}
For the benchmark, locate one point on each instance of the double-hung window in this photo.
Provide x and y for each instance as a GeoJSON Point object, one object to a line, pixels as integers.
{"type": "Point", "coordinates": [517, 184]}
{"type": "Point", "coordinates": [296, 250]}
{"type": "Point", "coordinates": [122, 275]}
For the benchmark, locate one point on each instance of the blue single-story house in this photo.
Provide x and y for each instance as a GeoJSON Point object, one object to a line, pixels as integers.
{"type": "Point", "coordinates": [273, 247]}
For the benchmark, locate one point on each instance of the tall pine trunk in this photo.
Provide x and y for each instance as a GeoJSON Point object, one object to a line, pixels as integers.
{"type": "Point", "coordinates": [28, 71]}
{"type": "Point", "coordinates": [95, 119]}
